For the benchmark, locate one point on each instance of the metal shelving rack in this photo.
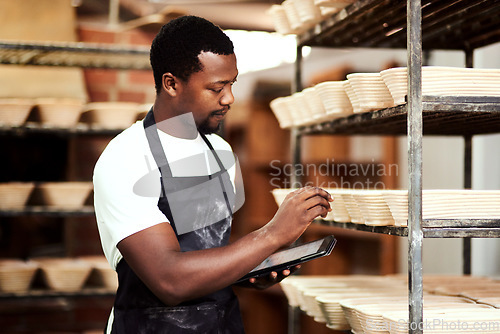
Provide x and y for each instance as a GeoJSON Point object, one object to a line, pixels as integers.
{"type": "Point", "coordinates": [75, 54]}
{"type": "Point", "coordinates": [66, 54]}
{"type": "Point", "coordinates": [414, 25]}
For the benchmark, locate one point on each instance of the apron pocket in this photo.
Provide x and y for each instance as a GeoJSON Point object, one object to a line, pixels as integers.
{"type": "Point", "coordinates": [203, 318]}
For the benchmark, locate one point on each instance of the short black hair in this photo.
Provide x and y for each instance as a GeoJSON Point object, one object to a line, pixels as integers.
{"type": "Point", "coordinates": [176, 47]}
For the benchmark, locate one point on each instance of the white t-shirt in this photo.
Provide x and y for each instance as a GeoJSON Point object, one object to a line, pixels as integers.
{"type": "Point", "coordinates": [127, 181]}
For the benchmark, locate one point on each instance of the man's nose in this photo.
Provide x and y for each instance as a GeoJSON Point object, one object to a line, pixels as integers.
{"type": "Point", "coordinates": [228, 97]}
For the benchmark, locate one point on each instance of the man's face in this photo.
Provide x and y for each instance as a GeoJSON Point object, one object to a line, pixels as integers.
{"type": "Point", "coordinates": [208, 93]}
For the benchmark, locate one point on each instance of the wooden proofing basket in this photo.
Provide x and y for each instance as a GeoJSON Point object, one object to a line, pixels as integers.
{"type": "Point", "coordinates": [16, 275]}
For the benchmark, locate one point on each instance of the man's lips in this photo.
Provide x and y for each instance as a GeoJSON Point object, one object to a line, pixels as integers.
{"type": "Point", "coordinates": [220, 113]}
{"type": "Point", "coordinates": [219, 116]}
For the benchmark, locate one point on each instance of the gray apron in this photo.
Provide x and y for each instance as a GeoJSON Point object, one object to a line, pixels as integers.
{"type": "Point", "coordinates": [137, 309]}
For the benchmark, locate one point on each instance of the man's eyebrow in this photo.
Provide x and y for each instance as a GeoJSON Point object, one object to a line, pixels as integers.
{"type": "Point", "coordinates": [225, 82]}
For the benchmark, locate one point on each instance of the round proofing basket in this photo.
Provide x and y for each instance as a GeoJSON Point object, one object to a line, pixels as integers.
{"type": "Point", "coordinates": [292, 15]}
{"type": "Point", "coordinates": [16, 276]}
{"type": "Point", "coordinates": [105, 276]}
{"type": "Point", "coordinates": [102, 274]}
{"type": "Point", "coordinates": [14, 112]}
{"type": "Point", "coordinates": [112, 115]}
{"type": "Point", "coordinates": [333, 3]}
{"type": "Point", "coordinates": [334, 98]}
{"type": "Point", "coordinates": [308, 12]}
{"type": "Point", "coordinates": [59, 112]}
{"type": "Point", "coordinates": [14, 195]}
{"type": "Point", "coordinates": [314, 103]}
{"type": "Point", "coordinates": [281, 111]}
{"type": "Point", "coordinates": [64, 275]}
{"type": "Point", "coordinates": [65, 195]}
{"type": "Point", "coordinates": [280, 20]}
{"type": "Point", "coordinates": [370, 90]}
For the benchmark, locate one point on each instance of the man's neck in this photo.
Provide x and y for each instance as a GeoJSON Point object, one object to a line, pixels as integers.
{"type": "Point", "coordinates": [180, 125]}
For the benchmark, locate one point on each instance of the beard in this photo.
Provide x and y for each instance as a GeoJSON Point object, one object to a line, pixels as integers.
{"type": "Point", "coordinates": [207, 129]}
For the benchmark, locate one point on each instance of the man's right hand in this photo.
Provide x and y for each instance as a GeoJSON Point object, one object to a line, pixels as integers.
{"type": "Point", "coordinates": [296, 213]}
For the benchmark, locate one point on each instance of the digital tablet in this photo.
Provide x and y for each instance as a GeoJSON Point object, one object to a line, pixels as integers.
{"type": "Point", "coordinates": [292, 256]}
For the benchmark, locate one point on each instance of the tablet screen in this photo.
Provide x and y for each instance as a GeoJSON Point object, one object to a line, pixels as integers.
{"type": "Point", "coordinates": [290, 254]}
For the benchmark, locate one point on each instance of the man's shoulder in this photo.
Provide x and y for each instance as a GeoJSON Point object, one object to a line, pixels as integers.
{"type": "Point", "coordinates": [126, 146]}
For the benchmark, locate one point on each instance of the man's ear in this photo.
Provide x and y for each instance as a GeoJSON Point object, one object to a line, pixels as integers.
{"type": "Point", "coordinates": [170, 84]}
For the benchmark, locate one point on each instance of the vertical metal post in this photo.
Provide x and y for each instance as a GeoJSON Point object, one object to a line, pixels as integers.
{"type": "Point", "coordinates": [467, 247]}
{"type": "Point", "coordinates": [469, 58]}
{"type": "Point", "coordinates": [297, 78]}
{"type": "Point", "coordinates": [415, 236]}
{"type": "Point", "coordinates": [467, 244]}
{"type": "Point", "coordinates": [293, 319]}
{"type": "Point", "coordinates": [295, 179]}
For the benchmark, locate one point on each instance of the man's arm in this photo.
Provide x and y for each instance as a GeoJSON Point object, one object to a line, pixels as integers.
{"type": "Point", "coordinates": [174, 276]}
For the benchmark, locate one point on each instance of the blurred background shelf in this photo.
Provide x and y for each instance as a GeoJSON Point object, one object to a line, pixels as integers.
{"type": "Point", "coordinates": [75, 54]}
{"type": "Point", "coordinates": [41, 293]}
{"type": "Point", "coordinates": [80, 129]}
{"type": "Point", "coordinates": [48, 211]}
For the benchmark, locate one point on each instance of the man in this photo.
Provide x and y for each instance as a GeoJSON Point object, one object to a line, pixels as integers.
{"type": "Point", "coordinates": [165, 228]}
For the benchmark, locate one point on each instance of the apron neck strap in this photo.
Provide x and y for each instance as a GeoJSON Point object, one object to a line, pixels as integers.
{"type": "Point", "coordinates": [155, 144]}
{"type": "Point", "coordinates": [157, 149]}
{"type": "Point", "coordinates": [216, 156]}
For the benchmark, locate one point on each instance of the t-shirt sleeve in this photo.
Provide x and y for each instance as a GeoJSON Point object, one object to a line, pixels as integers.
{"type": "Point", "coordinates": [126, 196]}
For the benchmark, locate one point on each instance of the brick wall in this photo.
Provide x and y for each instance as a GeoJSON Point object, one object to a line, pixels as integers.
{"type": "Point", "coordinates": [117, 85]}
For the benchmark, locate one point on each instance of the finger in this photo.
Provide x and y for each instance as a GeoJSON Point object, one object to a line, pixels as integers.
{"type": "Point", "coordinates": [294, 269]}
{"type": "Point", "coordinates": [274, 275]}
{"type": "Point", "coordinates": [326, 194]}
{"type": "Point", "coordinates": [317, 200]}
{"type": "Point", "coordinates": [285, 272]}
{"type": "Point", "coordinates": [316, 191]}
{"type": "Point", "coordinates": [252, 280]}
{"type": "Point", "coordinates": [315, 212]}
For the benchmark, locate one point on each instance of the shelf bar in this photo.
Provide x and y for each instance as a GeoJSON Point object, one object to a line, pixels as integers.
{"type": "Point", "coordinates": [442, 115]}
{"type": "Point", "coordinates": [41, 293]}
{"type": "Point", "coordinates": [47, 211]}
{"type": "Point", "coordinates": [431, 228]}
{"type": "Point", "coordinates": [79, 129]}
{"type": "Point", "coordinates": [390, 230]}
